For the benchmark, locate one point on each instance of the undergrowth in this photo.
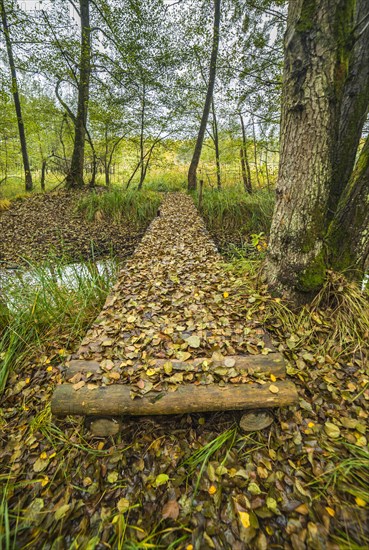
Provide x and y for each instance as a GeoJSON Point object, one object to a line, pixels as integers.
{"type": "Point", "coordinates": [136, 207]}
{"type": "Point", "coordinates": [45, 305]}
{"type": "Point", "coordinates": [232, 211]}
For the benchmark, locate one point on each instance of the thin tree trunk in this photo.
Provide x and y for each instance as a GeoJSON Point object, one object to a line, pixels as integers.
{"type": "Point", "coordinates": [255, 154]}
{"type": "Point", "coordinates": [216, 145]}
{"type": "Point", "coordinates": [267, 169]}
{"type": "Point", "coordinates": [142, 141]}
{"type": "Point", "coordinates": [17, 104]}
{"type": "Point", "coordinates": [245, 166]}
{"type": "Point", "coordinates": [43, 173]}
{"type": "Point", "coordinates": [107, 173]}
{"type": "Point", "coordinates": [75, 175]}
{"type": "Point", "coordinates": [312, 90]}
{"type": "Point", "coordinates": [209, 95]}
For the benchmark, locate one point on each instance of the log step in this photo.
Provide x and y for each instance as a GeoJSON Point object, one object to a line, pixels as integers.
{"type": "Point", "coordinates": [115, 400]}
{"type": "Point", "coordinates": [273, 363]}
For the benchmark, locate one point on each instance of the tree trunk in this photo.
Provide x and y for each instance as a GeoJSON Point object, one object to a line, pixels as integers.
{"type": "Point", "coordinates": [216, 145]}
{"type": "Point", "coordinates": [267, 169]}
{"type": "Point", "coordinates": [209, 95]}
{"type": "Point", "coordinates": [18, 109]}
{"type": "Point", "coordinates": [43, 173]}
{"type": "Point", "coordinates": [312, 91]}
{"type": "Point", "coordinates": [255, 154]}
{"type": "Point", "coordinates": [107, 173]}
{"type": "Point", "coordinates": [348, 235]}
{"type": "Point", "coordinates": [354, 108]}
{"type": "Point", "coordinates": [142, 141]}
{"type": "Point", "coordinates": [75, 175]}
{"type": "Point", "coordinates": [245, 166]}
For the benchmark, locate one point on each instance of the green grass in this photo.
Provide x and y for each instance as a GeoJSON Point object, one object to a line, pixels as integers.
{"type": "Point", "coordinates": [231, 210]}
{"type": "Point", "coordinates": [48, 312]}
{"type": "Point", "coordinates": [135, 207]}
{"type": "Point", "coordinates": [201, 457]}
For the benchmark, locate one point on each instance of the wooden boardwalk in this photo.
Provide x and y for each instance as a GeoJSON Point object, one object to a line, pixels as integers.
{"type": "Point", "coordinates": [178, 333]}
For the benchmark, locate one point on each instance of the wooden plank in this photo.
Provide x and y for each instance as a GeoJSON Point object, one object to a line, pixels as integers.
{"type": "Point", "coordinates": [115, 400]}
{"type": "Point", "coordinates": [273, 363]}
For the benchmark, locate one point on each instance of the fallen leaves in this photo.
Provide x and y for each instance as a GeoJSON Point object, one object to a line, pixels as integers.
{"type": "Point", "coordinates": [294, 485]}
{"type": "Point", "coordinates": [170, 510]}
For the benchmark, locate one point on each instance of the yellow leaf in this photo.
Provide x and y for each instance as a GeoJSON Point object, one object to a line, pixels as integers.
{"type": "Point", "coordinates": [360, 502]}
{"type": "Point", "coordinates": [161, 479]}
{"type": "Point", "coordinates": [45, 481]}
{"type": "Point", "coordinates": [150, 372]}
{"type": "Point", "coordinates": [245, 519]}
{"type": "Point", "coordinates": [52, 455]}
{"type": "Point", "coordinates": [101, 445]}
{"type": "Point", "coordinates": [330, 511]}
{"type": "Point", "coordinates": [123, 505]}
{"type": "Point", "coordinates": [273, 378]}
{"type": "Point", "coordinates": [212, 490]}
{"type": "Point", "coordinates": [168, 367]}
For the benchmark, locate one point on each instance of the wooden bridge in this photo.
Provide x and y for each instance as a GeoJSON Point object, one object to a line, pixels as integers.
{"type": "Point", "coordinates": [178, 333]}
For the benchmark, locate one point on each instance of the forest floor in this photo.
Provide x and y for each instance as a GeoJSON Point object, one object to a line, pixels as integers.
{"type": "Point", "coordinates": [49, 224]}
{"type": "Point", "coordinates": [196, 481]}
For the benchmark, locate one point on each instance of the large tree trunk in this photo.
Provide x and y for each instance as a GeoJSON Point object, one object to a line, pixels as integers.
{"type": "Point", "coordinates": [209, 95]}
{"type": "Point", "coordinates": [75, 175]}
{"type": "Point", "coordinates": [18, 109]}
{"type": "Point", "coordinates": [348, 235]}
{"type": "Point", "coordinates": [354, 107]}
{"type": "Point", "coordinates": [315, 72]}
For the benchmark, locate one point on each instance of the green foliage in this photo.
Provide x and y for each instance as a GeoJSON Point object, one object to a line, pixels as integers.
{"type": "Point", "coordinates": [137, 207]}
{"type": "Point", "coordinates": [201, 457]}
{"type": "Point", "coordinates": [231, 210]}
{"type": "Point", "coordinates": [43, 308]}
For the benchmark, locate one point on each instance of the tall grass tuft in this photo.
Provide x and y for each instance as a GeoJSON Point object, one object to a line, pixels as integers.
{"type": "Point", "coordinates": [135, 207]}
{"type": "Point", "coordinates": [231, 210]}
{"type": "Point", "coordinates": [47, 309]}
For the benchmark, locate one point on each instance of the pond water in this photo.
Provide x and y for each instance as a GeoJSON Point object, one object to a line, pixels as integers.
{"type": "Point", "coordinates": [14, 280]}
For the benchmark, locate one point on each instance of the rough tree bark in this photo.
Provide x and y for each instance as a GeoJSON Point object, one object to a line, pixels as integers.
{"type": "Point", "coordinates": [318, 46]}
{"type": "Point", "coordinates": [209, 95]}
{"type": "Point", "coordinates": [354, 105]}
{"type": "Point", "coordinates": [17, 104]}
{"type": "Point", "coordinates": [75, 174]}
{"type": "Point", "coordinates": [348, 235]}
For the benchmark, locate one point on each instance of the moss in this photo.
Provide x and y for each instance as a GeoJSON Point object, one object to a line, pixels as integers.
{"type": "Point", "coordinates": [312, 278]}
{"type": "Point", "coordinates": [343, 32]}
{"type": "Point", "coordinates": [306, 20]}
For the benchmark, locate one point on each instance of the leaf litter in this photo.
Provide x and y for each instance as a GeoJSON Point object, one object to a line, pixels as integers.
{"type": "Point", "coordinates": [292, 485]}
{"type": "Point", "coordinates": [174, 301]}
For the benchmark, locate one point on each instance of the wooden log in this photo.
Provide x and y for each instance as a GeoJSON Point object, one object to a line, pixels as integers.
{"type": "Point", "coordinates": [115, 400]}
{"type": "Point", "coordinates": [273, 363]}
